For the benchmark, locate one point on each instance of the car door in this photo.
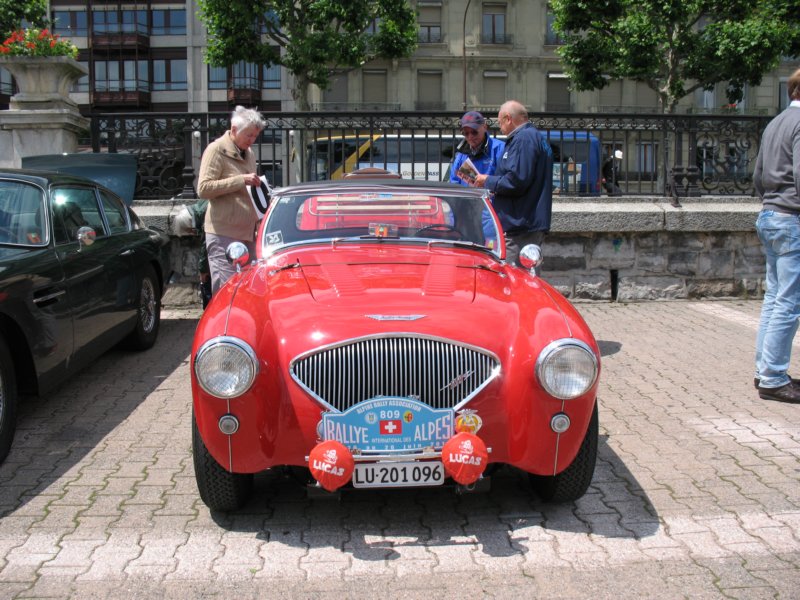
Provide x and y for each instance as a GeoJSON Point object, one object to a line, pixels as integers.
{"type": "Point", "coordinates": [33, 291]}
{"type": "Point", "coordinates": [91, 270]}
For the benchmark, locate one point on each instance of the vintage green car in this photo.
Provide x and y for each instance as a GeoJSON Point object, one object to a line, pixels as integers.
{"type": "Point", "coordinates": [79, 273]}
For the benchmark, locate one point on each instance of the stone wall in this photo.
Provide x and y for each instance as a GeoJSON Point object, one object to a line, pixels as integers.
{"type": "Point", "coordinates": [622, 249]}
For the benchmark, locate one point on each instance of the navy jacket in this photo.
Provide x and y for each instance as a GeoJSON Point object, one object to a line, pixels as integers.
{"type": "Point", "coordinates": [523, 182]}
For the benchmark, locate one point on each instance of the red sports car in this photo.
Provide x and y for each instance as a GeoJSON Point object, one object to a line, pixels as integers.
{"type": "Point", "coordinates": [380, 339]}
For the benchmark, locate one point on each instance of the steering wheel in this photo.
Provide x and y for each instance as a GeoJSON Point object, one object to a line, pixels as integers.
{"type": "Point", "coordinates": [439, 227]}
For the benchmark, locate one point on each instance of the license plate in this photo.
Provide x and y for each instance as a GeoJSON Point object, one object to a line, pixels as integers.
{"type": "Point", "coordinates": [398, 474]}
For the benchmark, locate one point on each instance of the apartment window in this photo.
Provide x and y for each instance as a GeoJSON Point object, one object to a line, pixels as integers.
{"type": "Point", "coordinates": [558, 94]}
{"type": "Point", "coordinates": [127, 75]}
{"type": "Point", "coordinates": [270, 18]}
{"type": "Point", "coordinates": [69, 22]}
{"type": "Point", "coordinates": [372, 28]}
{"type": "Point", "coordinates": [374, 86]}
{"type": "Point", "coordinates": [217, 78]}
{"type": "Point", "coordinates": [494, 88]}
{"type": "Point", "coordinates": [171, 21]}
{"type": "Point", "coordinates": [611, 96]}
{"type": "Point", "coordinates": [337, 90]}
{"type": "Point", "coordinates": [646, 153]}
{"type": "Point", "coordinates": [169, 74]}
{"type": "Point", "coordinates": [124, 21]}
{"type": "Point", "coordinates": [430, 24]}
{"type": "Point", "coordinates": [551, 37]}
{"type": "Point", "coordinates": [271, 79]}
{"type": "Point", "coordinates": [82, 85]}
{"type": "Point", "coordinates": [783, 95]}
{"type": "Point", "coordinates": [245, 75]}
{"type": "Point", "coordinates": [429, 90]}
{"type": "Point", "coordinates": [493, 28]}
{"type": "Point", "coordinates": [6, 87]}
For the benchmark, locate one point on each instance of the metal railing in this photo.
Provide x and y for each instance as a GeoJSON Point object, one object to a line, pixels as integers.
{"type": "Point", "coordinates": [670, 155]}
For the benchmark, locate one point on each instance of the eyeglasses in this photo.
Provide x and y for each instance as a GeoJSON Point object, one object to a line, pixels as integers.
{"type": "Point", "coordinates": [470, 132]}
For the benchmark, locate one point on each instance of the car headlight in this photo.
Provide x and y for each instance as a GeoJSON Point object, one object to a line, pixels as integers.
{"type": "Point", "coordinates": [566, 368]}
{"type": "Point", "coordinates": [225, 367]}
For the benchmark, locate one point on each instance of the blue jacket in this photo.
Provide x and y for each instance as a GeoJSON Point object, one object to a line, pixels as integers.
{"type": "Point", "coordinates": [523, 182]}
{"type": "Point", "coordinates": [486, 163]}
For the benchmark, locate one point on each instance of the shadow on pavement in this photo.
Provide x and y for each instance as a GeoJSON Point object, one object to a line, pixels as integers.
{"type": "Point", "coordinates": [607, 348]}
{"type": "Point", "coordinates": [375, 524]}
{"type": "Point", "coordinates": [57, 431]}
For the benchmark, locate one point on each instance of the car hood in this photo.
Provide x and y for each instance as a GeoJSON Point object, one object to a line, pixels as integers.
{"type": "Point", "coordinates": [308, 299]}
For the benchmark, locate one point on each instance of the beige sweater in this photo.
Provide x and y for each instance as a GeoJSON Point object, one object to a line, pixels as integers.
{"type": "Point", "coordinates": [221, 181]}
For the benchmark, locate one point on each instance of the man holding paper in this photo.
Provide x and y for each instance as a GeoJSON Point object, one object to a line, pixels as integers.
{"type": "Point", "coordinates": [477, 154]}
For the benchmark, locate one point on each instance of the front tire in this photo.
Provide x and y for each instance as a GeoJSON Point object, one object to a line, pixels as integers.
{"type": "Point", "coordinates": [148, 312]}
{"type": "Point", "coordinates": [573, 481]}
{"type": "Point", "coordinates": [8, 400]}
{"type": "Point", "coordinates": [219, 489]}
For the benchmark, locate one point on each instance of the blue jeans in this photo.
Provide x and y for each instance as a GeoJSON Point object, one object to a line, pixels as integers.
{"type": "Point", "coordinates": [780, 235]}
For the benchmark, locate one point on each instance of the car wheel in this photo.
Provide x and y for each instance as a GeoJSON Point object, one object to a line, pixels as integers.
{"type": "Point", "coordinates": [148, 312]}
{"type": "Point", "coordinates": [219, 489]}
{"type": "Point", "coordinates": [8, 400]}
{"type": "Point", "coordinates": [573, 481]}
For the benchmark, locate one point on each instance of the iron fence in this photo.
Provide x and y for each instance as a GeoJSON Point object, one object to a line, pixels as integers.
{"type": "Point", "coordinates": [672, 155]}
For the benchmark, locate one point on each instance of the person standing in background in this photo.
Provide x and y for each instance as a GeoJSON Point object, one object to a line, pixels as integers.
{"type": "Point", "coordinates": [777, 182]}
{"type": "Point", "coordinates": [523, 182]}
{"type": "Point", "coordinates": [227, 167]}
{"type": "Point", "coordinates": [484, 152]}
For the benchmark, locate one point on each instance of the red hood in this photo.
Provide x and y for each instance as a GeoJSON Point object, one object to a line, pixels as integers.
{"type": "Point", "coordinates": [383, 277]}
{"type": "Point", "coordinates": [315, 296]}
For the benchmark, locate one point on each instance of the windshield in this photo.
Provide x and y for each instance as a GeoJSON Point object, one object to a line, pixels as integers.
{"type": "Point", "coordinates": [381, 215]}
{"type": "Point", "coordinates": [22, 214]}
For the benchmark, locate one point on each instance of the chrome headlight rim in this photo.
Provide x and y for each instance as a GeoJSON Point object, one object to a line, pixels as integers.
{"type": "Point", "coordinates": [556, 346]}
{"type": "Point", "coordinates": [233, 342]}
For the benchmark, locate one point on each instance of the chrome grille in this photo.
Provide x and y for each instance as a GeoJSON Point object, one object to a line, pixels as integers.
{"type": "Point", "coordinates": [439, 373]}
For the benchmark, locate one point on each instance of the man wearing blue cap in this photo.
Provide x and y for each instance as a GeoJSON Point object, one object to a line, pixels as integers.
{"type": "Point", "coordinates": [483, 151]}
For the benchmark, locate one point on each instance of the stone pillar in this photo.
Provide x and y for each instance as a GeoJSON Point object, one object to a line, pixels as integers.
{"type": "Point", "coordinates": [42, 118]}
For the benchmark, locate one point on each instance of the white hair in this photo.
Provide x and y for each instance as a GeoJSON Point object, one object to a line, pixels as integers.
{"type": "Point", "coordinates": [243, 118]}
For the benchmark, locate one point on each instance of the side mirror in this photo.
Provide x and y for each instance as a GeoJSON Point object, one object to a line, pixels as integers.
{"type": "Point", "coordinates": [238, 255]}
{"type": "Point", "coordinates": [86, 236]}
{"type": "Point", "coordinates": [530, 257]}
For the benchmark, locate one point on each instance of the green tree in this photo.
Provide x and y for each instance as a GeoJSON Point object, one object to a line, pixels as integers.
{"type": "Point", "coordinates": [13, 12]}
{"type": "Point", "coordinates": [675, 46]}
{"type": "Point", "coordinates": [310, 38]}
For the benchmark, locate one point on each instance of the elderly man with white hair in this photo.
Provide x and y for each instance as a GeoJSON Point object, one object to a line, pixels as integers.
{"type": "Point", "coordinates": [227, 168]}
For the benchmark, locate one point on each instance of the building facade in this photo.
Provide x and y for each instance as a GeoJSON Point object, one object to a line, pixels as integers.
{"type": "Point", "coordinates": [148, 56]}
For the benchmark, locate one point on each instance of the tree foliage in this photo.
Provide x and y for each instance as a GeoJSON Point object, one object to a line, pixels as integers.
{"type": "Point", "coordinates": [14, 12]}
{"type": "Point", "coordinates": [675, 46]}
{"type": "Point", "coordinates": [310, 38]}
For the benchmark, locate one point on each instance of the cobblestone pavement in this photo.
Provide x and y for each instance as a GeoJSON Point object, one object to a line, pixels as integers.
{"type": "Point", "coordinates": [696, 494]}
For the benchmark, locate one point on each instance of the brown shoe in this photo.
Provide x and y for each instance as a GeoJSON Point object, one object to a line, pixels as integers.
{"type": "Point", "coordinates": [786, 393]}
{"type": "Point", "coordinates": [757, 381]}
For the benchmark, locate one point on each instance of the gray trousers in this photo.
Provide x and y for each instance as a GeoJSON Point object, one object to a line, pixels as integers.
{"type": "Point", "coordinates": [221, 269]}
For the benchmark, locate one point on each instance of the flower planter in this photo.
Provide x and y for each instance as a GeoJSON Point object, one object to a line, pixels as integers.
{"type": "Point", "coordinates": [43, 81]}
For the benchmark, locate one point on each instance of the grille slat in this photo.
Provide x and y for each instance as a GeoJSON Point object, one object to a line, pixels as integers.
{"type": "Point", "coordinates": [443, 374]}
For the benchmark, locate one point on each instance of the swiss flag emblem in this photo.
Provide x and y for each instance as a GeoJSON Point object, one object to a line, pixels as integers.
{"type": "Point", "coordinates": [392, 427]}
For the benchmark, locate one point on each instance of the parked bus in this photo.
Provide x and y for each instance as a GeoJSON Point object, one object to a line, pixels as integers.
{"type": "Point", "coordinates": [577, 157]}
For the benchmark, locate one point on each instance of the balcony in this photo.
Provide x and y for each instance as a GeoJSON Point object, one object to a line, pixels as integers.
{"type": "Point", "coordinates": [246, 96]}
{"type": "Point", "coordinates": [492, 37]}
{"type": "Point", "coordinates": [429, 105]}
{"type": "Point", "coordinates": [116, 40]}
{"type": "Point", "coordinates": [122, 98]}
{"type": "Point", "coordinates": [355, 106]}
